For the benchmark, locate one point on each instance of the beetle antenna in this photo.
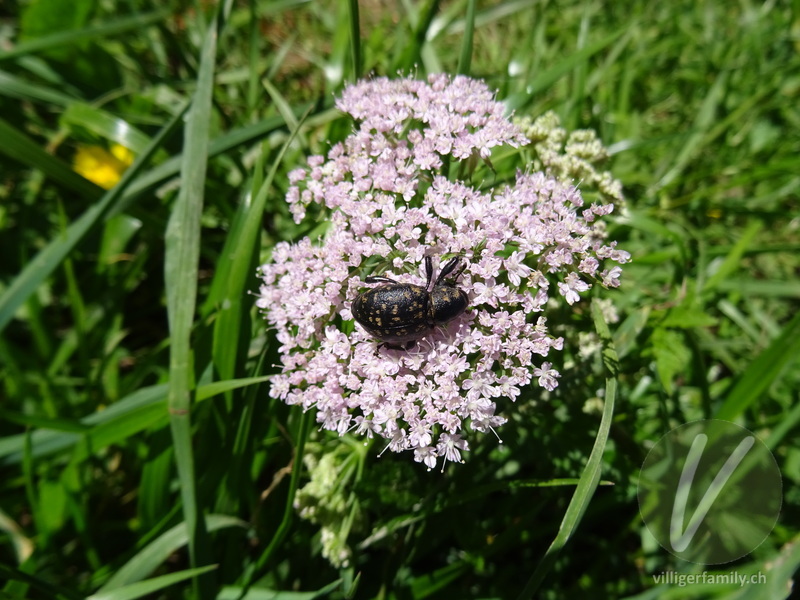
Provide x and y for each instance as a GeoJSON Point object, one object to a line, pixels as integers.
{"type": "Point", "coordinates": [429, 271]}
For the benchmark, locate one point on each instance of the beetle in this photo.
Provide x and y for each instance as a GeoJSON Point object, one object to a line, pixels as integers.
{"type": "Point", "coordinates": [399, 313]}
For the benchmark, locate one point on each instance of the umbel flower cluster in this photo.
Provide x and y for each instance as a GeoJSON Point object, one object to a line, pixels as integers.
{"type": "Point", "coordinates": [390, 204]}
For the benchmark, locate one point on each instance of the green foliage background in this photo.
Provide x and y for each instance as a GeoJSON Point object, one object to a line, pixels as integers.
{"type": "Point", "coordinates": [139, 450]}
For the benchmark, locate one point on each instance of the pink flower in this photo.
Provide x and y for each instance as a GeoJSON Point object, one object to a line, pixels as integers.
{"type": "Point", "coordinates": [389, 208]}
{"type": "Point", "coordinates": [571, 287]}
{"type": "Point", "coordinates": [547, 376]}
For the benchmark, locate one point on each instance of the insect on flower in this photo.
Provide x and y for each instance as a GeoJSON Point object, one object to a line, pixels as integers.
{"type": "Point", "coordinates": [400, 313]}
{"type": "Point", "coordinates": [385, 192]}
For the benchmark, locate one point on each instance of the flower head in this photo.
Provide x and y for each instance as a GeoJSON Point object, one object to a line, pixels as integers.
{"type": "Point", "coordinates": [101, 166]}
{"type": "Point", "coordinates": [390, 208]}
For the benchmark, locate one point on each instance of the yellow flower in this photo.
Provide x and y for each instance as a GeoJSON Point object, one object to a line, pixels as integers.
{"type": "Point", "coordinates": [101, 166]}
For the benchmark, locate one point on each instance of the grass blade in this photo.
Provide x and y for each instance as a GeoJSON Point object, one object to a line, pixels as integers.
{"type": "Point", "coordinates": [223, 143]}
{"type": "Point", "coordinates": [553, 74]}
{"type": "Point", "coordinates": [591, 473]}
{"type": "Point", "coordinates": [137, 408]}
{"type": "Point", "coordinates": [106, 125]}
{"type": "Point", "coordinates": [240, 258]}
{"type": "Point", "coordinates": [288, 513]}
{"type": "Point", "coordinates": [67, 38]}
{"type": "Point", "coordinates": [180, 272]}
{"type": "Point", "coordinates": [14, 87]}
{"type": "Point", "coordinates": [18, 146]}
{"type": "Point", "coordinates": [152, 556]}
{"type": "Point", "coordinates": [355, 39]}
{"type": "Point", "coordinates": [733, 261]}
{"type": "Point", "coordinates": [465, 58]}
{"type": "Point", "coordinates": [706, 117]}
{"type": "Point", "coordinates": [412, 53]}
{"type": "Point", "coordinates": [143, 588]}
{"type": "Point", "coordinates": [47, 589]}
{"type": "Point", "coordinates": [763, 371]}
{"type": "Point", "coordinates": [283, 106]}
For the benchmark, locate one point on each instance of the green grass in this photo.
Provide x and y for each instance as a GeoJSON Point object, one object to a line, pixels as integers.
{"type": "Point", "coordinates": [139, 450]}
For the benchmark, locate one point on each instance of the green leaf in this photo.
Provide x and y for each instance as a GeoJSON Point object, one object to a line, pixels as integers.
{"type": "Point", "coordinates": [41, 17]}
{"type": "Point", "coordinates": [135, 412]}
{"type": "Point", "coordinates": [763, 371]}
{"type": "Point", "coordinates": [427, 584]}
{"type": "Point", "coordinates": [150, 586]}
{"type": "Point", "coordinates": [52, 513]}
{"type": "Point", "coordinates": [626, 335]}
{"type": "Point", "coordinates": [686, 316]}
{"type": "Point", "coordinates": [17, 146]}
{"type": "Point", "coordinates": [152, 556]}
{"type": "Point", "coordinates": [421, 22]}
{"type": "Point", "coordinates": [59, 39]}
{"type": "Point", "coordinates": [46, 442]}
{"type": "Point", "coordinates": [761, 288]}
{"type": "Point", "coordinates": [671, 355]}
{"type": "Point", "coordinates": [288, 509]}
{"type": "Point", "coordinates": [699, 136]}
{"type": "Point", "coordinates": [210, 390]}
{"type": "Point", "coordinates": [172, 167]}
{"type": "Point", "coordinates": [336, 60]}
{"type": "Point", "coordinates": [650, 226]}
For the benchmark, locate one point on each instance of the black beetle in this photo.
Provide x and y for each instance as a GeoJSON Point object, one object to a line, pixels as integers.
{"type": "Point", "coordinates": [399, 313]}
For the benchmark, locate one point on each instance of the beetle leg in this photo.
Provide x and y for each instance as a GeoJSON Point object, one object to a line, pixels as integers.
{"type": "Point", "coordinates": [407, 346]}
{"type": "Point", "coordinates": [427, 309]}
{"type": "Point", "coordinates": [454, 264]}
{"type": "Point", "coordinates": [379, 279]}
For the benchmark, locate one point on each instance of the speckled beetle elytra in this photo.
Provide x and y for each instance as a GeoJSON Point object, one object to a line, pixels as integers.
{"type": "Point", "coordinates": [400, 313]}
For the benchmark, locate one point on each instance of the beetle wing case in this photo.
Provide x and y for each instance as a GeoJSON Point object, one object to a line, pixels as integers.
{"type": "Point", "coordinates": [393, 312]}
